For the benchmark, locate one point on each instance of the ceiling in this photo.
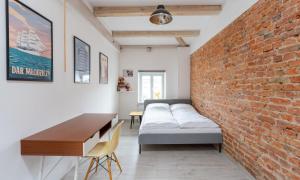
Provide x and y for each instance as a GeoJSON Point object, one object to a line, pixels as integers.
{"type": "Point", "coordinates": [152, 2]}
{"type": "Point", "coordinates": [141, 23]}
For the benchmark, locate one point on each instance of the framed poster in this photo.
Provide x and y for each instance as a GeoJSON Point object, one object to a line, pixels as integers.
{"type": "Point", "coordinates": [127, 73]}
{"type": "Point", "coordinates": [82, 61]}
{"type": "Point", "coordinates": [103, 68]}
{"type": "Point", "coordinates": [29, 44]}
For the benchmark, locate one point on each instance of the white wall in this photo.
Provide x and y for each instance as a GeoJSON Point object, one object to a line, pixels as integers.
{"type": "Point", "coordinates": [29, 107]}
{"type": "Point", "coordinates": [183, 57]}
{"type": "Point", "coordinates": [231, 10]}
{"type": "Point", "coordinates": [174, 60]}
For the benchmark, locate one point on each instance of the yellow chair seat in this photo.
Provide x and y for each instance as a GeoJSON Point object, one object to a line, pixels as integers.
{"type": "Point", "coordinates": [100, 149]}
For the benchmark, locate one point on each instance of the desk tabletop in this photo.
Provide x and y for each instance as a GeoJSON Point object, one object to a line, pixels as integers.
{"type": "Point", "coordinates": [78, 129]}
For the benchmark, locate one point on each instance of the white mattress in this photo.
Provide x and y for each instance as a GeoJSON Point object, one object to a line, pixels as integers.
{"type": "Point", "coordinates": [161, 119]}
{"type": "Point", "coordinates": [179, 131]}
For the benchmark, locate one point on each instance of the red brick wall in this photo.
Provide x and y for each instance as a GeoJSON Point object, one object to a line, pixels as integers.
{"type": "Point", "coordinates": [247, 79]}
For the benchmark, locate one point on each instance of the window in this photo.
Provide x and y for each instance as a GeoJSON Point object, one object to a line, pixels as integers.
{"type": "Point", "coordinates": [151, 85]}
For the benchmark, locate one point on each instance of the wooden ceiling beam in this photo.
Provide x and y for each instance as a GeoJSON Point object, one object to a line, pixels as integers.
{"type": "Point", "coordinates": [181, 42]}
{"type": "Point", "coordinates": [88, 14]}
{"type": "Point", "coordinates": [179, 10]}
{"type": "Point", "coordinates": [118, 34]}
{"type": "Point", "coordinates": [150, 45]}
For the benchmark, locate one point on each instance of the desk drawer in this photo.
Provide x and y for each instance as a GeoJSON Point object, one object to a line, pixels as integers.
{"type": "Point", "coordinates": [89, 144]}
{"type": "Point", "coordinates": [103, 135]}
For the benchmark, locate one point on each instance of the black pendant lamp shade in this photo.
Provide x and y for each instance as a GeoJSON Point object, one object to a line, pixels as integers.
{"type": "Point", "coordinates": [161, 16]}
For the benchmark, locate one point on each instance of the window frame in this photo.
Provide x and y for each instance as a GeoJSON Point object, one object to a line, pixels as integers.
{"type": "Point", "coordinates": [151, 74]}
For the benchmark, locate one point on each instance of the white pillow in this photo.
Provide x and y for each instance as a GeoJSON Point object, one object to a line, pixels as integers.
{"type": "Point", "coordinates": [174, 107]}
{"type": "Point", "coordinates": [158, 106]}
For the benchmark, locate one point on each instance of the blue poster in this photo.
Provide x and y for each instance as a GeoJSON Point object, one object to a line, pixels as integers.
{"type": "Point", "coordinates": [29, 44]}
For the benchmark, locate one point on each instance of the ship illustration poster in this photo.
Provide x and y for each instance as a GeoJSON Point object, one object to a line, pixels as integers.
{"type": "Point", "coordinates": [29, 44]}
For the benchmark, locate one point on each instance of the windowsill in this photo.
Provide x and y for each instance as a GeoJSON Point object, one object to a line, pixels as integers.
{"type": "Point", "coordinates": [142, 103]}
{"type": "Point", "coordinates": [126, 91]}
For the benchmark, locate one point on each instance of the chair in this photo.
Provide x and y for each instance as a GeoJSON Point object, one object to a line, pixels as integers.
{"type": "Point", "coordinates": [105, 151]}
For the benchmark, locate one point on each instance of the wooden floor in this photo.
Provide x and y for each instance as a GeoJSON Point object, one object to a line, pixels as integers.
{"type": "Point", "coordinates": [167, 162]}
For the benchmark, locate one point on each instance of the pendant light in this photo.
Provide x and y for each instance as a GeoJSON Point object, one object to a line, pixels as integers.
{"type": "Point", "coordinates": [161, 16]}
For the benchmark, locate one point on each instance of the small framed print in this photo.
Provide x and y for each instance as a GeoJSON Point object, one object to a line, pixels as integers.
{"type": "Point", "coordinates": [103, 63]}
{"type": "Point", "coordinates": [127, 73]}
{"type": "Point", "coordinates": [82, 61]}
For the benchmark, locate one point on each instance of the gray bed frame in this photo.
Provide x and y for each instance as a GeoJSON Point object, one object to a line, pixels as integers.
{"type": "Point", "coordinates": [200, 138]}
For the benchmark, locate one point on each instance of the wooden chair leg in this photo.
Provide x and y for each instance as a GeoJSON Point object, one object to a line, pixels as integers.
{"type": "Point", "coordinates": [117, 161]}
{"type": "Point", "coordinates": [109, 168]}
{"type": "Point", "coordinates": [89, 169]}
{"type": "Point", "coordinates": [97, 161]}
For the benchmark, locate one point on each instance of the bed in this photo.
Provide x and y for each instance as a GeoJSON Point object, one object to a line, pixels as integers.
{"type": "Point", "coordinates": [175, 121]}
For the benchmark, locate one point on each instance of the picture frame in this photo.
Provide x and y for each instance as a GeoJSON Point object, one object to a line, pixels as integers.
{"type": "Point", "coordinates": [29, 44]}
{"type": "Point", "coordinates": [103, 68]}
{"type": "Point", "coordinates": [127, 73]}
{"type": "Point", "coordinates": [82, 61]}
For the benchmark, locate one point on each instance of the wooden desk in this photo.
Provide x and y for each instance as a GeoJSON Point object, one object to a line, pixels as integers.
{"type": "Point", "coordinates": [74, 137]}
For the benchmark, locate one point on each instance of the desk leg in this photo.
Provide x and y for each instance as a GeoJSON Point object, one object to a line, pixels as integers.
{"type": "Point", "coordinates": [42, 169]}
{"type": "Point", "coordinates": [76, 168]}
{"type": "Point", "coordinates": [131, 122]}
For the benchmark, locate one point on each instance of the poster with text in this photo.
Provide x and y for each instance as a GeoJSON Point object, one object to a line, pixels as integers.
{"type": "Point", "coordinates": [82, 61]}
{"type": "Point", "coordinates": [29, 44]}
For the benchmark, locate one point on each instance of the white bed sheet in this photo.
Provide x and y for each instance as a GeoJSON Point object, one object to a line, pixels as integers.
{"type": "Point", "coordinates": [182, 119]}
{"type": "Point", "coordinates": [158, 118]}
{"type": "Point", "coordinates": [179, 131]}
{"type": "Point", "coordinates": [188, 117]}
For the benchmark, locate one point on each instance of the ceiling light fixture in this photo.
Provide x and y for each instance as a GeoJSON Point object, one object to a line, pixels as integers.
{"type": "Point", "coordinates": [161, 16]}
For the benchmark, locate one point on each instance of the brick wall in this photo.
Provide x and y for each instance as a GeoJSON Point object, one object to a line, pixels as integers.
{"type": "Point", "coordinates": [247, 79]}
